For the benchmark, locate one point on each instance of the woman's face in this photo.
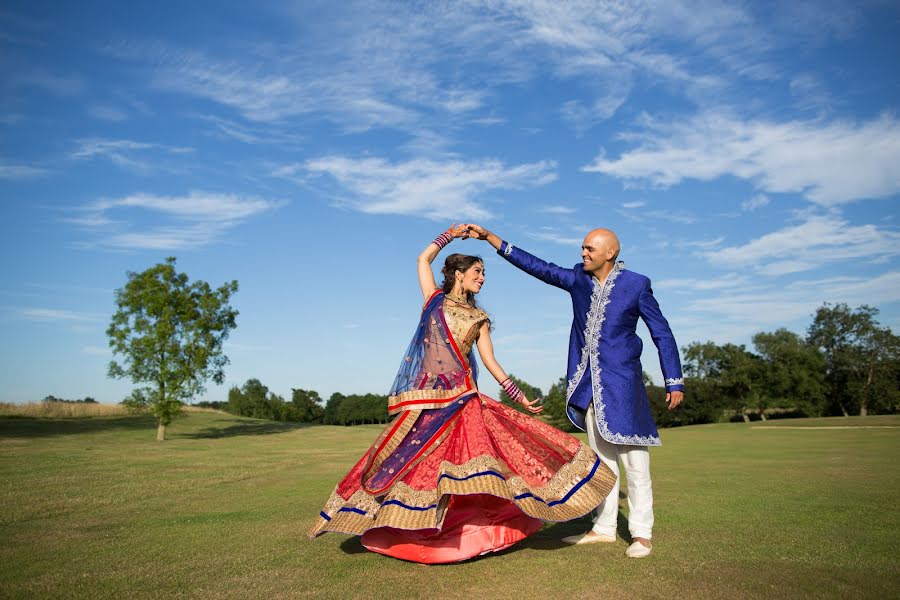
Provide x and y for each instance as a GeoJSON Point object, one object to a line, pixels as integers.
{"type": "Point", "coordinates": [473, 278]}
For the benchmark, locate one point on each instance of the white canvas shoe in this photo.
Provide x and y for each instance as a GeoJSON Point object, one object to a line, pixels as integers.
{"type": "Point", "coordinates": [638, 550]}
{"type": "Point", "coordinates": [591, 537]}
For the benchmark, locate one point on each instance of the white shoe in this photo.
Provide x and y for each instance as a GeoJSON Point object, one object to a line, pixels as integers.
{"type": "Point", "coordinates": [637, 550]}
{"type": "Point", "coordinates": [591, 537]}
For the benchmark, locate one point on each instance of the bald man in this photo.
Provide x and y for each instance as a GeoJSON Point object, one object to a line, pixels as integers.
{"type": "Point", "coordinates": [605, 395]}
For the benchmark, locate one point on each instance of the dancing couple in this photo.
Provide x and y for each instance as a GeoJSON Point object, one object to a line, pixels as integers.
{"type": "Point", "coordinates": [457, 474]}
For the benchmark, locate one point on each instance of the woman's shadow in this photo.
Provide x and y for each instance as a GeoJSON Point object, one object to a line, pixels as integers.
{"type": "Point", "coordinates": [548, 538]}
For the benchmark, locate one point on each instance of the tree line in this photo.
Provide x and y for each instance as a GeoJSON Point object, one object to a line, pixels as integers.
{"type": "Point", "coordinates": [846, 364]}
{"type": "Point", "coordinates": [167, 334]}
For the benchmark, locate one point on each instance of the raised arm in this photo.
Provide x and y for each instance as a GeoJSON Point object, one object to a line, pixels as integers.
{"type": "Point", "coordinates": [426, 275]}
{"type": "Point", "coordinates": [486, 352]}
{"type": "Point", "coordinates": [547, 272]}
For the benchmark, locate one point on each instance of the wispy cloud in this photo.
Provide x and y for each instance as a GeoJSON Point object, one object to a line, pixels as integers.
{"type": "Point", "coordinates": [8, 171]}
{"type": "Point", "coordinates": [452, 189]}
{"type": "Point", "coordinates": [558, 210]}
{"type": "Point", "coordinates": [829, 163]}
{"type": "Point", "coordinates": [549, 234]}
{"type": "Point", "coordinates": [95, 350]}
{"type": "Point", "coordinates": [818, 240]}
{"type": "Point", "coordinates": [757, 201]}
{"type": "Point", "coordinates": [53, 314]}
{"type": "Point", "coordinates": [127, 154]}
{"type": "Point", "coordinates": [198, 219]}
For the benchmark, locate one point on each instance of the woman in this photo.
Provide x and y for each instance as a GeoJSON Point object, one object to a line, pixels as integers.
{"type": "Point", "coordinates": [457, 474]}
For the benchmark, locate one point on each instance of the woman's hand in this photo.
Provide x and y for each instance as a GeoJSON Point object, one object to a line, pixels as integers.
{"type": "Point", "coordinates": [533, 406]}
{"type": "Point", "coordinates": [459, 231]}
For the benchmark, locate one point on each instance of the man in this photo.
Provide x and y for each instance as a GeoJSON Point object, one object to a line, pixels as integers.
{"type": "Point", "coordinates": [605, 394]}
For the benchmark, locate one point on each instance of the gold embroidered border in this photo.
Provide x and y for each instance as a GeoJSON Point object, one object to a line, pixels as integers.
{"type": "Point", "coordinates": [347, 521]}
{"type": "Point", "coordinates": [409, 421]}
{"type": "Point", "coordinates": [433, 503]}
{"type": "Point", "coordinates": [440, 398]}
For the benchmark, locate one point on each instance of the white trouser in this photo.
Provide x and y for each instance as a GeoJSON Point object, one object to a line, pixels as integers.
{"type": "Point", "coordinates": [636, 460]}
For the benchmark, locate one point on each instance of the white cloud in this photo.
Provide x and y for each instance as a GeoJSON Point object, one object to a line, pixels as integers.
{"type": "Point", "coordinates": [191, 221]}
{"type": "Point", "coordinates": [548, 234]}
{"type": "Point", "coordinates": [107, 113]}
{"type": "Point", "coordinates": [757, 201]}
{"type": "Point", "coordinates": [558, 210]}
{"type": "Point", "coordinates": [96, 350]}
{"type": "Point", "coordinates": [829, 163]}
{"type": "Point", "coordinates": [127, 154]}
{"type": "Point", "coordinates": [52, 314]}
{"type": "Point", "coordinates": [13, 172]}
{"type": "Point", "coordinates": [817, 241]}
{"type": "Point", "coordinates": [766, 306]}
{"type": "Point", "coordinates": [637, 204]}
{"type": "Point", "coordinates": [451, 189]}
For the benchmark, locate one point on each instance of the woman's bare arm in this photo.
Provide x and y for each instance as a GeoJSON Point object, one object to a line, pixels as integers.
{"type": "Point", "coordinates": [486, 352]}
{"type": "Point", "coordinates": [426, 275]}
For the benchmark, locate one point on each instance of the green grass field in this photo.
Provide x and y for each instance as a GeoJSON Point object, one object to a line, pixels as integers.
{"type": "Point", "coordinates": [96, 508]}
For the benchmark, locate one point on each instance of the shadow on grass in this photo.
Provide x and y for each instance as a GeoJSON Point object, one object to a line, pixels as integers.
{"type": "Point", "coordinates": [353, 545]}
{"type": "Point", "coordinates": [548, 538]}
{"type": "Point", "coordinates": [13, 427]}
{"type": "Point", "coordinates": [242, 428]}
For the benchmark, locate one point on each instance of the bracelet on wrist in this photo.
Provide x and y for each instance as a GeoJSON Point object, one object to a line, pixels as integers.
{"type": "Point", "coordinates": [512, 390]}
{"type": "Point", "coordinates": [443, 239]}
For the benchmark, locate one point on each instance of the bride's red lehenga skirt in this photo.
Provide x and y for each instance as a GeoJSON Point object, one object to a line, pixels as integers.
{"type": "Point", "coordinates": [487, 479]}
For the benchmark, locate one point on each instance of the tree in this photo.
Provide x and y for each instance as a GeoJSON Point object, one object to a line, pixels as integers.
{"type": "Point", "coordinates": [530, 392]}
{"type": "Point", "coordinates": [169, 334]}
{"type": "Point", "coordinates": [862, 358]}
{"type": "Point", "coordinates": [305, 406]}
{"type": "Point", "coordinates": [794, 373]}
{"type": "Point", "coordinates": [732, 371]}
{"type": "Point", "coordinates": [555, 406]}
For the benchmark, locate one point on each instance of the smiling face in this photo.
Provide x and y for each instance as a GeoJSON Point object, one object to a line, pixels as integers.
{"type": "Point", "coordinates": [472, 278]}
{"type": "Point", "coordinates": [600, 247]}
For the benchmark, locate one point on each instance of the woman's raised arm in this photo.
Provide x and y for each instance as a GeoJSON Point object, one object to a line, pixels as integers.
{"type": "Point", "coordinates": [426, 275]}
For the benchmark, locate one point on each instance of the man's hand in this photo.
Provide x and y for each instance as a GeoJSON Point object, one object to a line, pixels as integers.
{"type": "Point", "coordinates": [476, 231]}
{"type": "Point", "coordinates": [674, 399]}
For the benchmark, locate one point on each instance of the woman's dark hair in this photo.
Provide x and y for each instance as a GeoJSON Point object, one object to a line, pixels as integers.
{"type": "Point", "coordinates": [461, 263]}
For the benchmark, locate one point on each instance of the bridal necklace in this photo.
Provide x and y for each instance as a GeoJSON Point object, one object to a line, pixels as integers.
{"type": "Point", "coordinates": [458, 299]}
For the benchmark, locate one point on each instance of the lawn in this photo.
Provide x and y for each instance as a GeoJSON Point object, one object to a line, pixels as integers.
{"type": "Point", "coordinates": [96, 508]}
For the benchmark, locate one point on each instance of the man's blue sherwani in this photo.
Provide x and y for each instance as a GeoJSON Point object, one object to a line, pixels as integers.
{"type": "Point", "coordinates": [604, 348]}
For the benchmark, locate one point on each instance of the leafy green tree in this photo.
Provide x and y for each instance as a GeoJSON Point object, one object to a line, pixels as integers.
{"type": "Point", "coordinates": [731, 371]}
{"type": "Point", "coordinates": [794, 373]}
{"type": "Point", "coordinates": [529, 390]}
{"type": "Point", "coordinates": [555, 406]}
{"type": "Point", "coordinates": [331, 409]}
{"type": "Point", "coordinates": [306, 406]}
{"type": "Point", "coordinates": [862, 358]}
{"type": "Point", "coordinates": [169, 335]}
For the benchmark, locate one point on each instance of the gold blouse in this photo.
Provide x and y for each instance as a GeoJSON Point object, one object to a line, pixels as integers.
{"type": "Point", "coordinates": [464, 322]}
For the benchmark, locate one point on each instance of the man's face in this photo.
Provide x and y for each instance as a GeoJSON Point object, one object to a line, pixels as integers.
{"type": "Point", "coordinates": [595, 252]}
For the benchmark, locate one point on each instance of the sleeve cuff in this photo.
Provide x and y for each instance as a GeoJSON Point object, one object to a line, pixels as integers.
{"type": "Point", "coordinates": [505, 248]}
{"type": "Point", "coordinates": [675, 384]}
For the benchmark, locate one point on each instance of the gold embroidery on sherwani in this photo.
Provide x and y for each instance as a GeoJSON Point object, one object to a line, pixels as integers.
{"type": "Point", "coordinates": [547, 502]}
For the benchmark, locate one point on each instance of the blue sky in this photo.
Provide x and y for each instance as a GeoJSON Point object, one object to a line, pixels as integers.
{"type": "Point", "coordinates": [747, 154]}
